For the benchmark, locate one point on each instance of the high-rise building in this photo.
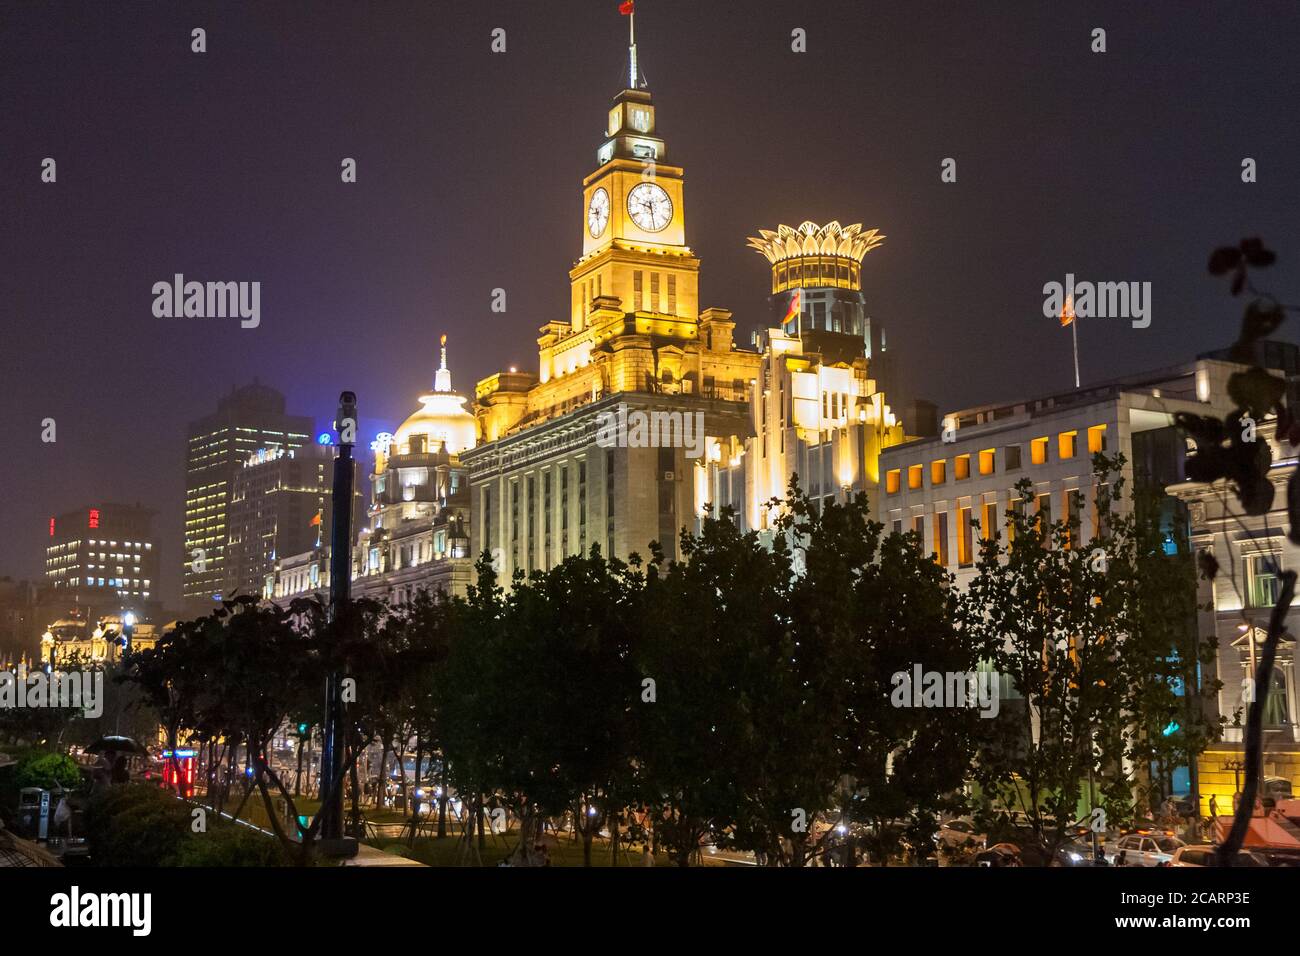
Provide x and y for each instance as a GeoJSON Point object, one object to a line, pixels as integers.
{"type": "Point", "coordinates": [280, 505]}
{"type": "Point", "coordinates": [552, 477]}
{"type": "Point", "coordinates": [219, 446]}
{"type": "Point", "coordinates": [102, 559]}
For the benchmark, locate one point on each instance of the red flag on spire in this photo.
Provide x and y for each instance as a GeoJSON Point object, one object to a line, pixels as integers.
{"type": "Point", "coordinates": [625, 7]}
{"type": "Point", "coordinates": [1067, 311]}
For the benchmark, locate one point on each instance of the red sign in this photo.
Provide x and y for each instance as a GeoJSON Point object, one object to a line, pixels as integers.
{"type": "Point", "coordinates": [94, 517]}
{"type": "Point", "coordinates": [51, 527]}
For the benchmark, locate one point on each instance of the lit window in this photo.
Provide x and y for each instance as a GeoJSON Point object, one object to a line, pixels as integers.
{"type": "Point", "coordinates": [964, 537]}
{"type": "Point", "coordinates": [989, 521]}
{"type": "Point", "coordinates": [893, 479]}
{"type": "Point", "coordinates": [1262, 584]}
{"type": "Point", "coordinates": [961, 467]}
{"type": "Point", "coordinates": [986, 461]}
{"type": "Point", "coordinates": [941, 538]}
{"type": "Point", "coordinates": [1066, 443]}
{"type": "Point", "coordinates": [938, 471]}
{"type": "Point", "coordinates": [1038, 451]}
{"type": "Point", "coordinates": [1096, 439]}
{"type": "Point", "coordinates": [915, 476]}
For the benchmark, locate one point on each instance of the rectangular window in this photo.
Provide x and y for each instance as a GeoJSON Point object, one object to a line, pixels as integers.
{"type": "Point", "coordinates": [1074, 516]}
{"type": "Point", "coordinates": [1043, 518]}
{"type": "Point", "coordinates": [941, 538]}
{"type": "Point", "coordinates": [893, 481]}
{"type": "Point", "coordinates": [1017, 507]}
{"type": "Point", "coordinates": [672, 295]}
{"type": "Point", "coordinates": [918, 525]}
{"type": "Point", "coordinates": [1067, 443]}
{"type": "Point", "coordinates": [938, 471]}
{"type": "Point", "coordinates": [637, 291]}
{"type": "Point", "coordinates": [1096, 439]}
{"type": "Point", "coordinates": [915, 476]}
{"type": "Point", "coordinates": [1038, 451]}
{"type": "Point", "coordinates": [961, 467]}
{"type": "Point", "coordinates": [986, 461]}
{"type": "Point", "coordinates": [654, 292]}
{"type": "Point", "coordinates": [989, 520]}
{"type": "Point", "coordinates": [964, 538]}
{"type": "Point", "coordinates": [898, 528]}
{"type": "Point", "coordinates": [1011, 456]}
{"type": "Point", "coordinates": [1262, 584]}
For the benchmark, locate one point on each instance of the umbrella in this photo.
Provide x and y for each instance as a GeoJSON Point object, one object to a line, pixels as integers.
{"type": "Point", "coordinates": [116, 745]}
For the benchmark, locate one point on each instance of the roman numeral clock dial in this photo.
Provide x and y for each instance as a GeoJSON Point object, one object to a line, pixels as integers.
{"type": "Point", "coordinates": [598, 213]}
{"type": "Point", "coordinates": [650, 207]}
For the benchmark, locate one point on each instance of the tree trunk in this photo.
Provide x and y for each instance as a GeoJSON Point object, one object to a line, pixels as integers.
{"type": "Point", "coordinates": [442, 800]}
{"type": "Point", "coordinates": [381, 785]}
{"type": "Point", "coordinates": [297, 777]}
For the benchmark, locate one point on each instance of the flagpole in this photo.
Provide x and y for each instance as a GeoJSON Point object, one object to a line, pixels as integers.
{"type": "Point", "coordinates": [631, 27]}
{"type": "Point", "coordinates": [1074, 332]}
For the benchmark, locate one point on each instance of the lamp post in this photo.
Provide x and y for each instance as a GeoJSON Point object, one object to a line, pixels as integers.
{"type": "Point", "coordinates": [334, 728]}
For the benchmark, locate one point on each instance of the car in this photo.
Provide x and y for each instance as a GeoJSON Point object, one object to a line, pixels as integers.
{"type": "Point", "coordinates": [1203, 854]}
{"type": "Point", "coordinates": [999, 854]}
{"type": "Point", "coordinates": [1078, 852]}
{"type": "Point", "coordinates": [959, 833]}
{"type": "Point", "coordinates": [1145, 849]}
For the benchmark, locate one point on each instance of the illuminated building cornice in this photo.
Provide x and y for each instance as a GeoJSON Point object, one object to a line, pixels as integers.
{"type": "Point", "coordinates": [813, 255]}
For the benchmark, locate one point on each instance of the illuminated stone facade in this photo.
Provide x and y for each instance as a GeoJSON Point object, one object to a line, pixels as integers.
{"type": "Point", "coordinates": [545, 484]}
{"type": "Point", "coordinates": [73, 640]}
{"type": "Point", "coordinates": [417, 537]}
{"type": "Point", "coordinates": [817, 410]}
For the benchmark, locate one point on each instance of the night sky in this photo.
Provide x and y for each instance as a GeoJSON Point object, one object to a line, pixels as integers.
{"type": "Point", "coordinates": [226, 166]}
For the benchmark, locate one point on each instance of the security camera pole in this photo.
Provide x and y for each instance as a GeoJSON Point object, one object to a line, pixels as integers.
{"type": "Point", "coordinates": [335, 727]}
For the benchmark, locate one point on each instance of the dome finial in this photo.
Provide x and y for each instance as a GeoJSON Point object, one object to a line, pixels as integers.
{"type": "Point", "coordinates": [442, 378]}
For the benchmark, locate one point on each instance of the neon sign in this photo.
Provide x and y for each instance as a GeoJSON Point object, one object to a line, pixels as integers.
{"type": "Point", "coordinates": [94, 518]}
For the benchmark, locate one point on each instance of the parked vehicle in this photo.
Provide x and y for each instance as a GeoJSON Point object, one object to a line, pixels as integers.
{"type": "Point", "coordinates": [1146, 849]}
{"type": "Point", "coordinates": [1202, 854]}
{"type": "Point", "coordinates": [999, 854]}
{"type": "Point", "coordinates": [959, 833]}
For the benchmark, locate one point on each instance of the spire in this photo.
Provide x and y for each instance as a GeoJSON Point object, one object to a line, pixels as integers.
{"type": "Point", "coordinates": [442, 378]}
{"type": "Point", "coordinates": [635, 81]}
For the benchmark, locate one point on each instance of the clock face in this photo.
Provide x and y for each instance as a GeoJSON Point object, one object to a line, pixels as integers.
{"type": "Point", "coordinates": [650, 207]}
{"type": "Point", "coordinates": [598, 213]}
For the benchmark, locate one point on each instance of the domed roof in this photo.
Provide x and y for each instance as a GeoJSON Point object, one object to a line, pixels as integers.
{"type": "Point", "coordinates": [442, 418]}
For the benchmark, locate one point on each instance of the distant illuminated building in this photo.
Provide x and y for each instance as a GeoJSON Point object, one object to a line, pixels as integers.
{"type": "Point", "coordinates": [102, 559]}
{"type": "Point", "coordinates": [219, 446]}
{"type": "Point", "coordinates": [281, 504]}
{"type": "Point", "coordinates": [818, 410]}
{"type": "Point", "coordinates": [73, 640]}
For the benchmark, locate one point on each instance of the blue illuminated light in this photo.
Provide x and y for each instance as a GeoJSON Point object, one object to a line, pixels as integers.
{"type": "Point", "coordinates": [324, 438]}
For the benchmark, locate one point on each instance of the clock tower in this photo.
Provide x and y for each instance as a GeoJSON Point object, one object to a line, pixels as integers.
{"type": "Point", "coordinates": [634, 220]}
